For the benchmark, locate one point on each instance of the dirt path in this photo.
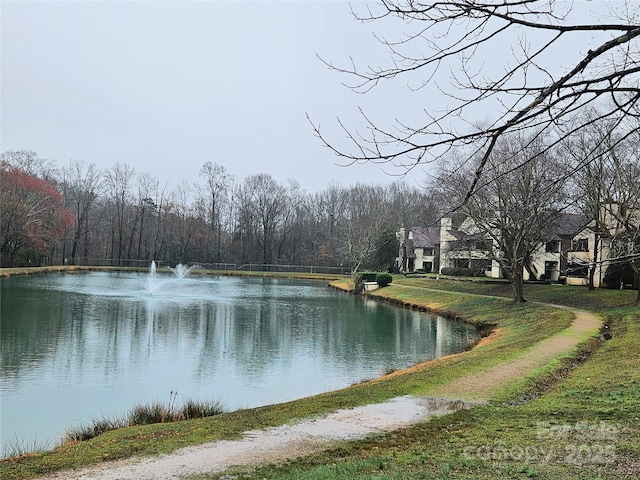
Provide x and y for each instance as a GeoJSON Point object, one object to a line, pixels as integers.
{"type": "Point", "coordinates": [272, 444]}
{"type": "Point", "coordinates": [480, 387]}
{"type": "Point", "coordinates": [316, 434]}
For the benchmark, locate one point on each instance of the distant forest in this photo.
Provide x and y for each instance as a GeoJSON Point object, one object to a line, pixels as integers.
{"type": "Point", "coordinates": [77, 214]}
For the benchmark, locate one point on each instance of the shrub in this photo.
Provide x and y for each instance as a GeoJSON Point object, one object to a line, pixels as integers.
{"type": "Point", "coordinates": [463, 272]}
{"type": "Point", "coordinates": [157, 412]}
{"type": "Point", "coordinates": [361, 278]}
{"type": "Point", "coordinates": [200, 409]}
{"type": "Point", "coordinates": [92, 429]}
{"type": "Point", "coordinates": [369, 276]}
{"type": "Point", "coordinates": [383, 279]}
{"type": "Point", "coordinates": [617, 274]}
{"type": "Point", "coordinates": [457, 271]}
{"type": "Point", "coordinates": [149, 414]}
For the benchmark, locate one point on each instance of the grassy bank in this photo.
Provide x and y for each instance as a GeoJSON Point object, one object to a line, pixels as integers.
{"type": "Point", "coordinates": [9, 272]}
{"type": "Point", "coordinates": [467, 444]}
{"type": "Point", "coordinates": [146, 414]}
{"type": "Point", "coordinates": [580, 423]}
{"type": "Point", "coordinates": [12, 272]}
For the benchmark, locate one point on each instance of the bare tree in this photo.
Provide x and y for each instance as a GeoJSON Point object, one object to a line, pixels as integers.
{"type": "Point", "coordinates": [215, 197]}
{"type": "Point", "coordinates": [458, 47]}
{"type": "Point", "coordinates": [263, 207]}
{"type": "Point", "coordinates": [364, 225]}
{"type": "Point", "coordinates": [413, 207]}
{"type": "Point", "coordinates": [82, 184]}
{"type": "Point", "coordinates": [148, 212]}
{"type": "Point", "coordinates": [289, 236]}
{"type": "Point", "coordinates": [607, 189]}
{"type": "Point", "coordinates": [586, 155]}
{"type": "Point", "coordinates": [185, 230]}
{"type": "Point", "coordinates": [332, 207]}
{"type": "Point", "coordinates": [516, 208]}
{"type": "Point", "coordinates": [118, 181]}
{"type": "Point", "coordinates": [624, 207]}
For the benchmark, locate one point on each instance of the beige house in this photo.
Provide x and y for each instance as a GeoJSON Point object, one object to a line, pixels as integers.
{"type": "Point", "coordinates": [574, 245]}
{"type": "Point", "coordinates": [462, 245]}
{"type": "Point", "coordinates": [601, 246]}
{"type": "Point", "coordinates": [419, 249]}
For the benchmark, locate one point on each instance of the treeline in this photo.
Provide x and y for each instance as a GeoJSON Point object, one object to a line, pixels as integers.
{"type": "Point", "coordinates": [79, 214]}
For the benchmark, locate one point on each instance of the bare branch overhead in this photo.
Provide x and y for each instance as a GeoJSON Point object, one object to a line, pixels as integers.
{"type": "Point", "coordinates": [453, 48]}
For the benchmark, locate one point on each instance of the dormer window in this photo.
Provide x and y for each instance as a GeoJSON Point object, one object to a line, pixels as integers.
{"type": "Point", "coordinates": [552, 247]}
{"type": "Point", "coordinates": [580, 245]}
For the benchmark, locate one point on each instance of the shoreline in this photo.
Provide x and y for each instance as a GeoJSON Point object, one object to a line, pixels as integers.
{"type": "Point", "coordinates": [316, 434]}
{"type": "Point", "coordinates": [425, 368]}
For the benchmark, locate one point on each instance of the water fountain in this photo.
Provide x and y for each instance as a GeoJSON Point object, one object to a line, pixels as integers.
{"type": "Point", "coordinates": [181, 270]}
{"type": "Point", "coordinates": [152, 284]}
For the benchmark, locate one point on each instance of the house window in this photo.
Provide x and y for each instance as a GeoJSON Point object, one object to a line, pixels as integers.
{"type": "Point", "coordinates": [461, 263]}
{"type": "Point", "coordinates": [479, 245]}
{"type": "Point", "coordinates": [480, 264]}
{"type": "Point", "coordinates": [552, 247]}
{"type": "Point", "coordinates": [577, 270]}
{"type": "Point", "coordinates": [580, 245]}
{"type": "Point", "coordinates": [427, 252]}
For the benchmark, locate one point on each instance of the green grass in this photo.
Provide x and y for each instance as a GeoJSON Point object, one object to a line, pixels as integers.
{"type": "Point", "coordinates": [578, 297]}
{"type": "Point", "coordinates": [586, 425]}
{"type": "Point", "coordinates": [596, 383]}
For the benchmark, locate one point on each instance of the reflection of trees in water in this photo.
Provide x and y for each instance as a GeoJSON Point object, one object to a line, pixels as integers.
{"type": "Point", "coordinates": [262, 329]}
{"type": "Point", "coordinates": [243, 343]}
{"type": "Point", "coordinates": [271, 336]}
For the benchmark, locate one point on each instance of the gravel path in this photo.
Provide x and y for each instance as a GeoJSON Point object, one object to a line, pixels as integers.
{"type": "Point", "coordinates": [272, 444]}
{"type": "Point", "coordinates": [316, 434]}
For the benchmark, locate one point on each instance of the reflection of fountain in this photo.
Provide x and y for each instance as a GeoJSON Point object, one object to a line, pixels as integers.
{"type": "Point", "coordinates": [152, 284]}
{"type": "Point", "coordinates": [181, 270]}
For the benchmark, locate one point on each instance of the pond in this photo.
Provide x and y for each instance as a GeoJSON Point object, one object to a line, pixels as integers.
{"type": "Point", "coordinates": [82, 346]}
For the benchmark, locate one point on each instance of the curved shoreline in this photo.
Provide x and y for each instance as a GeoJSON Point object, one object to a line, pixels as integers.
{"type": "Point", "coordinates": [300, 438]}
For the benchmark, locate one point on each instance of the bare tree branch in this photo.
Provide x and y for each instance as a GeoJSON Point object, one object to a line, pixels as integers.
{"type": "Point", "coordinates": [455, 36]}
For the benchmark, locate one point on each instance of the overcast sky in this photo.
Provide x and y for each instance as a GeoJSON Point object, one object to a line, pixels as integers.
{"type": "Point", "coordinates": [167, 86]}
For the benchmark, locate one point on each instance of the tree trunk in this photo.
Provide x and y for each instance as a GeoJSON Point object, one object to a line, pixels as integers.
{"type": "Point", "coordinates": [592, 267]}
{"type": "Point", "coordinates": [636, 278]}
{"type": "Point", "coordinates": [85, 254]}
{"type": "Point", "coordinates": [517, 283]}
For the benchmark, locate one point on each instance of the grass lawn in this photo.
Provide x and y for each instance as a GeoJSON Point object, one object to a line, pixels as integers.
{"type": "Point", "coordinates": [577, 417]}
{"type": "Point", "coordinates": [585, 424]}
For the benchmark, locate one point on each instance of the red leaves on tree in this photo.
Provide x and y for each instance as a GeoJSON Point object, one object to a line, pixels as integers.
{"type": "Point", "coordinates": [33, 216]}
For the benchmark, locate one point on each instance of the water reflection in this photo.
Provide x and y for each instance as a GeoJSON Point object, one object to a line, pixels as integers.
{"type": "Point", "coordinates": [75, 347]}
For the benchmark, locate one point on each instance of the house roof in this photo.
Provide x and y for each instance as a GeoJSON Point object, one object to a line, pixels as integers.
{"type": "Point", "coordinates": [457, 219]}
{"type": "Point", "coordinates": [567, 225]}
{"type": "Point", "coordinates": [457, 234]}
{"type": "Point", "coordinates": [426, 237]}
